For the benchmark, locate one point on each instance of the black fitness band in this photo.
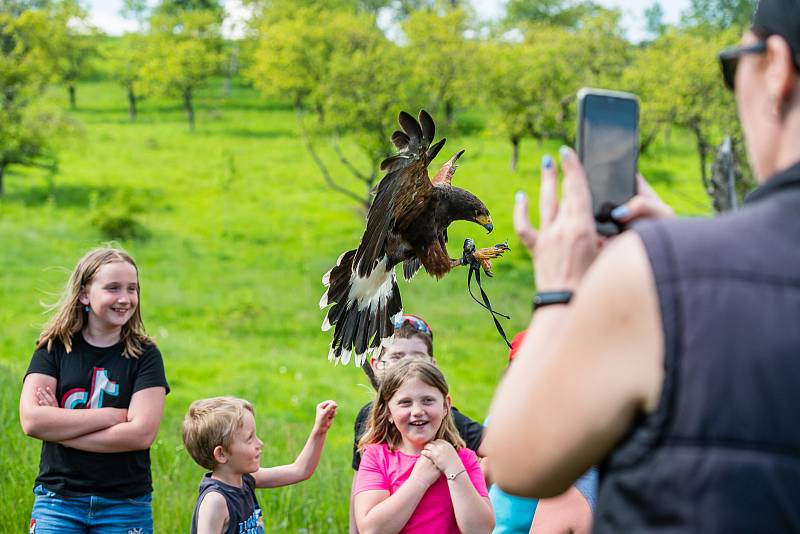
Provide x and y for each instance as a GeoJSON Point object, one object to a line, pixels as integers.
{"type": "Point", "coordinates": [546, 298]}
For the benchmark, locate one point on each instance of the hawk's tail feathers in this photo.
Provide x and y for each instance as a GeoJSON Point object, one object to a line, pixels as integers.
{"type": "Point", "coordinates": [362, 309]}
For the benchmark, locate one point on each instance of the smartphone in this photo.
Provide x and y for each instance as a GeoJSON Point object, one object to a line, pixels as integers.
{"type": "Point", "coordinates": [608, 147]}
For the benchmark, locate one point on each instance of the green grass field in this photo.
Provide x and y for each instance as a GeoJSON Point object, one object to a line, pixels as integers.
{"type": "Point", "coordinates": [230, 275]}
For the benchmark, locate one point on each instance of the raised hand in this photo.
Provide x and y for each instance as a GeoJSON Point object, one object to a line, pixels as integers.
{"type": "Point", "coordinates": [566, 243]}
{"type": "Point", "coordinates": [326, 411]}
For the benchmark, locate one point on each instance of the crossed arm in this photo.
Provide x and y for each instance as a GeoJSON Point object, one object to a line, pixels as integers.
{"type": "Point", "coordinates": [95, 430]}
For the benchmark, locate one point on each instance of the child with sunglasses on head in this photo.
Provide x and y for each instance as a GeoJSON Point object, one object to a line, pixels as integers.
{"type": "Point", "coordinates": [220, 435]}
{"type": "Point", "coordinates": [413, 337]}
{"type": "Point", "coordinates": [94, 394]}
{"type": "Point", "coordinates": [415, 473]}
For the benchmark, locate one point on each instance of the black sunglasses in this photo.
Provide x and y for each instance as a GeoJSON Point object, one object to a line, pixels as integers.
{"type": "Point", "coordinates": [729, 60]}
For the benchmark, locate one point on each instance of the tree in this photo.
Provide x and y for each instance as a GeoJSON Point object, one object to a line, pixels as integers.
{"type": "Point", "coordinates": [712, 16]}
{"type": "Point", "coordinates": [343, 76]}
{"type": "Point", "coordinates": [28, 132]}
{"type": "Point", "coordinates": [76, 44]}
{"type": "Point", "coordinates": [556, 12]}
{"type": "Point", "coordinates": [444, 66]}
{"type": "Point", "coordinates": [528, 84]}
{"type": "Point", "coordinates": [184, 52]}
{"type": "Point", "coordinates": [679, 82]}
{"type": "Point", "coordinates": [654, 19]}
{"type": "Point", "coordinates": [175, 8]}
{"type": "Point", "coordinates": [123, 59]}
{"type": "Point", "coordinates": [136, 10]}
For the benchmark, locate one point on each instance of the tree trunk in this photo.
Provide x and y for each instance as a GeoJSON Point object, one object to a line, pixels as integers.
{"type": "Point", "coordinates": [71, 88]}
{"type": "Point", "coordinates": [702, 148]}
{"type": "Point", "coordinates": [514, 153]}
{"type": "Point", "coordinates": [131, 102]}
{"type": "Point", "coordinates": [233, 66]}
{"type": "Point", "coordinates": [449, 112]}
{"type": "Point", "coordinates": [187, 104]}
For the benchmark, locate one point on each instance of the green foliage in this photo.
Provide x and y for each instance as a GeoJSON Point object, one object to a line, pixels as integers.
{"type": "Point", "coordinates": [179, 7]}
{"type": "Point", "coordinates": [680, 84]}
{"type": "Point", "coordinates": [231, 279]}
{"type": "Point", "coordinates": [444, 68]}
{"type": "Point", "coordinates": [294, 52]}
{"type": "Point", "coordinates": [123, 58]}
{"type": "Point", "coordinates": [29, 132]}
{"type": "Point", "coordinates": [712, 16]}
{"type": "Point", "coordinates": [119, 217]}
{"type": "Point", "coordinates": [532, 84]}
{"type": "Point", "coordinates": [654, 17]}
{"type": "Point", "coordinates": [183, 52]}
{"type": "Point", "coordinates": [75, 41]}
{"type": "Point", "coordinates": [556, 12]}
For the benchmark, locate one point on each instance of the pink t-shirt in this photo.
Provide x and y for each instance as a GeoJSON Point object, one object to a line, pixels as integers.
{"type": "Point", "coordinates": [382, 469]}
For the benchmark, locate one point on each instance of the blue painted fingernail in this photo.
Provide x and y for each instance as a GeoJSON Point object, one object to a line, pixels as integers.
{"type": "Point", "coordinates": [620, 212]}
{"type": "Point", "coordinates": [547, 162]}
{"type": "Point", "coordinates": [519, 197]}
{"type": "Point", "coordinates": [565, 153]}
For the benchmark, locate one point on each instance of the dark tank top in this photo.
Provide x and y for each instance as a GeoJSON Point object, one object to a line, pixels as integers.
{"type": "Point", "coordinates": [244, 513]}
{"type": "Point", "coordinates": [721, 452]}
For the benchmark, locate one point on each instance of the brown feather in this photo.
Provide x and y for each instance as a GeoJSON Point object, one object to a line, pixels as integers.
{"type": "Point", "coordinates": [435, 260]}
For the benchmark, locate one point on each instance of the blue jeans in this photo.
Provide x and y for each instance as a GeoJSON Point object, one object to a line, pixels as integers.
{"type": "Point", "coordinates": [56, 514]}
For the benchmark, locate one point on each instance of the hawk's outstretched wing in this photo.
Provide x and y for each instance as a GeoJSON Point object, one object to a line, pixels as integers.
{"type": "Point", "coordinates": [403, 193]}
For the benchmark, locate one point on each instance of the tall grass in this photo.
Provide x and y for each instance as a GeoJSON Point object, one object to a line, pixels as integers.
{"type": "Point", "coordinates": [238, 227]}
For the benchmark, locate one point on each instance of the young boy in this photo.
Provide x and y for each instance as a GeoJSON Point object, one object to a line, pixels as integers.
{"type": "Point", "coordinates": [220, 434]}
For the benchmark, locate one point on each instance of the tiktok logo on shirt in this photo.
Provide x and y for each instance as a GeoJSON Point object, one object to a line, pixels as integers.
{"type": "Point", "coordinates": [253, 525]}
{"type": "Point", "coordinates": [101, 385]}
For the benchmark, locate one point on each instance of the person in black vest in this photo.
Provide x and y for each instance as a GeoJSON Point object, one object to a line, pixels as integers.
{"type": "Point", "coordinates": [413, 337]}
{"type": "Point", "coordinates": [675, 366]}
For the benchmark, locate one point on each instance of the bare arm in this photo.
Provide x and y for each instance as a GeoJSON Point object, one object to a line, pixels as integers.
{"type": "Point", "coordinates": [353, 528]}
{"type": "Point", "coordinates": [308, 460]}
{"type": "Point", "coordinates": [135, 434]}
{"type": "Point", "coordinates": [600, 369]}
{"type": "Point", "coordinates": [51, 423]}
{"type": "Point", "coordinates": [473, 512]}
{"type": "Point", "coordinates": [212, 515]}
{"type": "Point", "coordinates": [377, 512]}
{"type": "Point", "coordinates": [569, 513]}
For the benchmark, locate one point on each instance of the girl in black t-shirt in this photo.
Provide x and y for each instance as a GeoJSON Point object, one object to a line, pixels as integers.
{"type": "Point", "coordinates": [94, 394]}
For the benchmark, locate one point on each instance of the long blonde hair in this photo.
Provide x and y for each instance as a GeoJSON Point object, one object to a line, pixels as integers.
{"type": "Point", "coordinates": [379, 427]}
{"type": "Point", "coordinates": [70, 317]}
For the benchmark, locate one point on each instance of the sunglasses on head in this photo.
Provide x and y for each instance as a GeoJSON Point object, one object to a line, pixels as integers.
{"type": "Point", "coordinates": [416, 322]}
{"type": "Point", "coordinates": [729, 60]}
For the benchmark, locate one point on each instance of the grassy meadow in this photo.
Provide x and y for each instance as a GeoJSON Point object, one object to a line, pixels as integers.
{"type": "Point", "coordinates": [237, 228]}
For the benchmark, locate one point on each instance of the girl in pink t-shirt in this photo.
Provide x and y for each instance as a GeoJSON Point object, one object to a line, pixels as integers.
{"type": "Point", "coordinates": [416, 476]}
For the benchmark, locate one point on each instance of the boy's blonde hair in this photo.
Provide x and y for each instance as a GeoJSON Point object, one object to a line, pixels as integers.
{"type": "Point", "coordinates": [211, 423]}
{"type": "Point", "coordinates": [379, 427]}
{"type": "Point", "coordinates": [70, 317]}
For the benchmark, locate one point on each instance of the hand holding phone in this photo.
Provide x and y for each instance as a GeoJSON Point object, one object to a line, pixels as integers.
{"type": "Point", "coordinates": [608, 147]}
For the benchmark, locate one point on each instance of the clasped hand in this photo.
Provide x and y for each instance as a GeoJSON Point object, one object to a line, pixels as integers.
{"type": "Point", "coordinates": [437, 458]}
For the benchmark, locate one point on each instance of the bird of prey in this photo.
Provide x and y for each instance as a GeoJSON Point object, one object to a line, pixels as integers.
{"type": "Point", "coordinates": [407, 222]}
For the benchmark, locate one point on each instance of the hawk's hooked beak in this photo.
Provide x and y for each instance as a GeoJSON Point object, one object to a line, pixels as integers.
{"type": "Point", "coordinates": [486, 222]}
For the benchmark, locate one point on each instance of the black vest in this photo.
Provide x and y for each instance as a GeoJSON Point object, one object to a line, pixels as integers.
{"type": "Point", "coordinates": [244, 513]}
{"type": "Point", "coordinates": [721, 452]}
